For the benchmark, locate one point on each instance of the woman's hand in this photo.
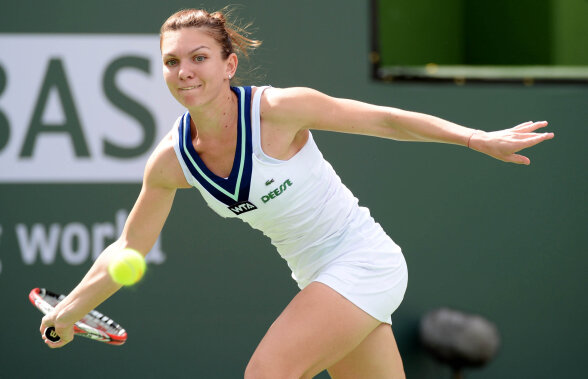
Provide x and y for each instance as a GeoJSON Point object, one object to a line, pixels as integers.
{"type": "Point", "coordinates": [64, 331]}
{"type": "Point", "coordinates": [504, 144]}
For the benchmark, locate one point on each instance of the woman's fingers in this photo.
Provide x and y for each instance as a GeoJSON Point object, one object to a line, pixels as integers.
{"type": "Point", "coordinates": [522, 142]}
{"type": "Point", "coordinates": [533, 139]}
{"type": "Point", "coordinates": [530, 126]}
{"type": "Point", "coordinates": [523, 125]}
{"type": "Point", "coordinates": [518, 159]}
{"type": "Point", "coordinates": [65, 334]}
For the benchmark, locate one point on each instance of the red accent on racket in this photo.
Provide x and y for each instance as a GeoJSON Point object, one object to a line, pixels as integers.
{"type": "Point", "coordinates": [94, 325]}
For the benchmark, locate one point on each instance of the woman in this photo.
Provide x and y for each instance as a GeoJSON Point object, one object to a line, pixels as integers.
{"type": "Point", "coordinates": [250, 153]}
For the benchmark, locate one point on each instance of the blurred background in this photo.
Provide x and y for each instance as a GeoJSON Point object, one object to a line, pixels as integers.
{"type": "Point", "coordinates": [83, 102]}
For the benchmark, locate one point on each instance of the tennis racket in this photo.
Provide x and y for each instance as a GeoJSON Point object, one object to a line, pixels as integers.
{"type": "Point", "coordinates": [94, 325]}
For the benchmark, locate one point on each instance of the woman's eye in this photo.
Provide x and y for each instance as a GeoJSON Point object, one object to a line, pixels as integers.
{"type": "Point", "coordinates": [199, 58]}
{"type": "Point", "coordinates": [171, 62]}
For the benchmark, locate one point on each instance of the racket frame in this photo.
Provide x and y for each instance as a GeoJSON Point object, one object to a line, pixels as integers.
{"type": "Point", "coordinates": [37, 298]}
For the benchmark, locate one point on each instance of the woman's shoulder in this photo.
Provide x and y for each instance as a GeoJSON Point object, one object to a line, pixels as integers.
{"type": "Point", "coordinates": [277, 95]}
{"type": "Point", "coordinates": [163, 167]}
{"type": "Point", "coordinates": [296, 107]}
{"type": "Point", "coordinates": [284, 102]}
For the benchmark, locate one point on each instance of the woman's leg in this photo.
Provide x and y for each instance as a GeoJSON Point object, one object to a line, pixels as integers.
{"type": "Point", "coordinates": [316, 330]}
{"type": "Point", "coordinates": [376, 357]}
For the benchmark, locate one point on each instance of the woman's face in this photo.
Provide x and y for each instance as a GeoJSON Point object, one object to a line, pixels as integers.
{"type": "Point", "coordinates": [193, 67]}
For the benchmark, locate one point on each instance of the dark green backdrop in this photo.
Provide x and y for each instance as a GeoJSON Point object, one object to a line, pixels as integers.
{"type": "Point", "coordinates": [504, 241]}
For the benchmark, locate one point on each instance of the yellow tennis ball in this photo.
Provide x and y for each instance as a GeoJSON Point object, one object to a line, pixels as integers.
{"type": "Point", "coordinates": [127, 267]}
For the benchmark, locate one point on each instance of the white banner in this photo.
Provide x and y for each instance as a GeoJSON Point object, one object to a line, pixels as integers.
{"type": "Point", "coordinates": [80, 108]}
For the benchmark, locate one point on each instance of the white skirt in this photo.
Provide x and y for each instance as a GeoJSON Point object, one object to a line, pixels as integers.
{"type": "Point", "coordinates": [370, 270]}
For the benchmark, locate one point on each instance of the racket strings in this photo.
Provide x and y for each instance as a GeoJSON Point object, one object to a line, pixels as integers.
{"type": "Point", "coordinates": [93, 319]}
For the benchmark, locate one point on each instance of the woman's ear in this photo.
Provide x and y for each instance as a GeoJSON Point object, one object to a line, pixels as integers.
{"type": "Point", "coordinates": [232, 63]}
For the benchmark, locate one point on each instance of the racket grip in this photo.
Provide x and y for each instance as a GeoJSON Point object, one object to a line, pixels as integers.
{"type": "Point", "coordinates": [51, 335]}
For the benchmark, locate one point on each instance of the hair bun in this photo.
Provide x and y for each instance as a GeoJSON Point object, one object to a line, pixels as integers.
{"type": "Point", "coordinates": [218, 16]}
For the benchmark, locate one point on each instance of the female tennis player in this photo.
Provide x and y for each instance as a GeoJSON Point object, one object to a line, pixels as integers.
{"type": "Point", "coordinates": [250, 152]}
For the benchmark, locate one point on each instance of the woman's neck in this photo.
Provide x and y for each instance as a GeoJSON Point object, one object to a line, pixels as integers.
{"type": "Point", "coordinates": [216, 118]}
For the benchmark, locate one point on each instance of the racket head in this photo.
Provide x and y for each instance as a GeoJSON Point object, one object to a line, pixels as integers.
{"type": "Point", "coordinates": [94, 325]}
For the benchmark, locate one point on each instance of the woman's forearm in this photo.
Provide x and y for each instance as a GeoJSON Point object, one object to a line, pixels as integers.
{"type": "Point", "coordinates": [95, 288]}
{"type": "Point", "coordinates": [420, 127]}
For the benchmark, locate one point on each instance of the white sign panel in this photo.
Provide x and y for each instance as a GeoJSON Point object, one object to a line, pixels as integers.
{"type": "Point", "coordinates": [80, 108]}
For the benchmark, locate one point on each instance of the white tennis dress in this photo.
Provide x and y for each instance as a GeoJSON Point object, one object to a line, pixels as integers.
{"type": "Point", "coordinates": [312, 219]}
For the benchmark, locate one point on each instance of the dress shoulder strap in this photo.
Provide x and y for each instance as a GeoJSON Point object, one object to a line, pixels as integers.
{"type": "Point", "coordinates": [256, 125]}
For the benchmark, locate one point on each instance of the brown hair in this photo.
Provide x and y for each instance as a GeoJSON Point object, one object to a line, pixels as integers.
{"type": "Point", "coordinates": [228, 35]}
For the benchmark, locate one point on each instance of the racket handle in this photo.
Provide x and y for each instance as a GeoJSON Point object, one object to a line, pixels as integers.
{"type": "Point", "coordinates": [51, 335]}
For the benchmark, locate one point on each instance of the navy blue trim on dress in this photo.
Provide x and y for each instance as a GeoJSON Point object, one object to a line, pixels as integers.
{"type": "Point", "coordinates": [236, 187]}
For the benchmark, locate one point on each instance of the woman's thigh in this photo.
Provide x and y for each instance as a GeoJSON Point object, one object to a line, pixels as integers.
{"type": "Point", "coordinates": [317, 329]}
{"type": "Point", "coordinates": [376, 357]}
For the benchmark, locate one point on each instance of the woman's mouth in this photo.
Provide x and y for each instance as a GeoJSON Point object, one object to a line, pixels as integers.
{"type": "Point", "coordinates": [188, 88]}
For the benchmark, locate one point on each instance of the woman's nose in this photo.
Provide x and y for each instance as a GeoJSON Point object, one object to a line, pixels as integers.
{"type": "Point", "coordinates": [185, 72]}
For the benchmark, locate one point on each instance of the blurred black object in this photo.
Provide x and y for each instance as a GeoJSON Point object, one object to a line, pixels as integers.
{"type": "Point", "coordinates": [458, 339]}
